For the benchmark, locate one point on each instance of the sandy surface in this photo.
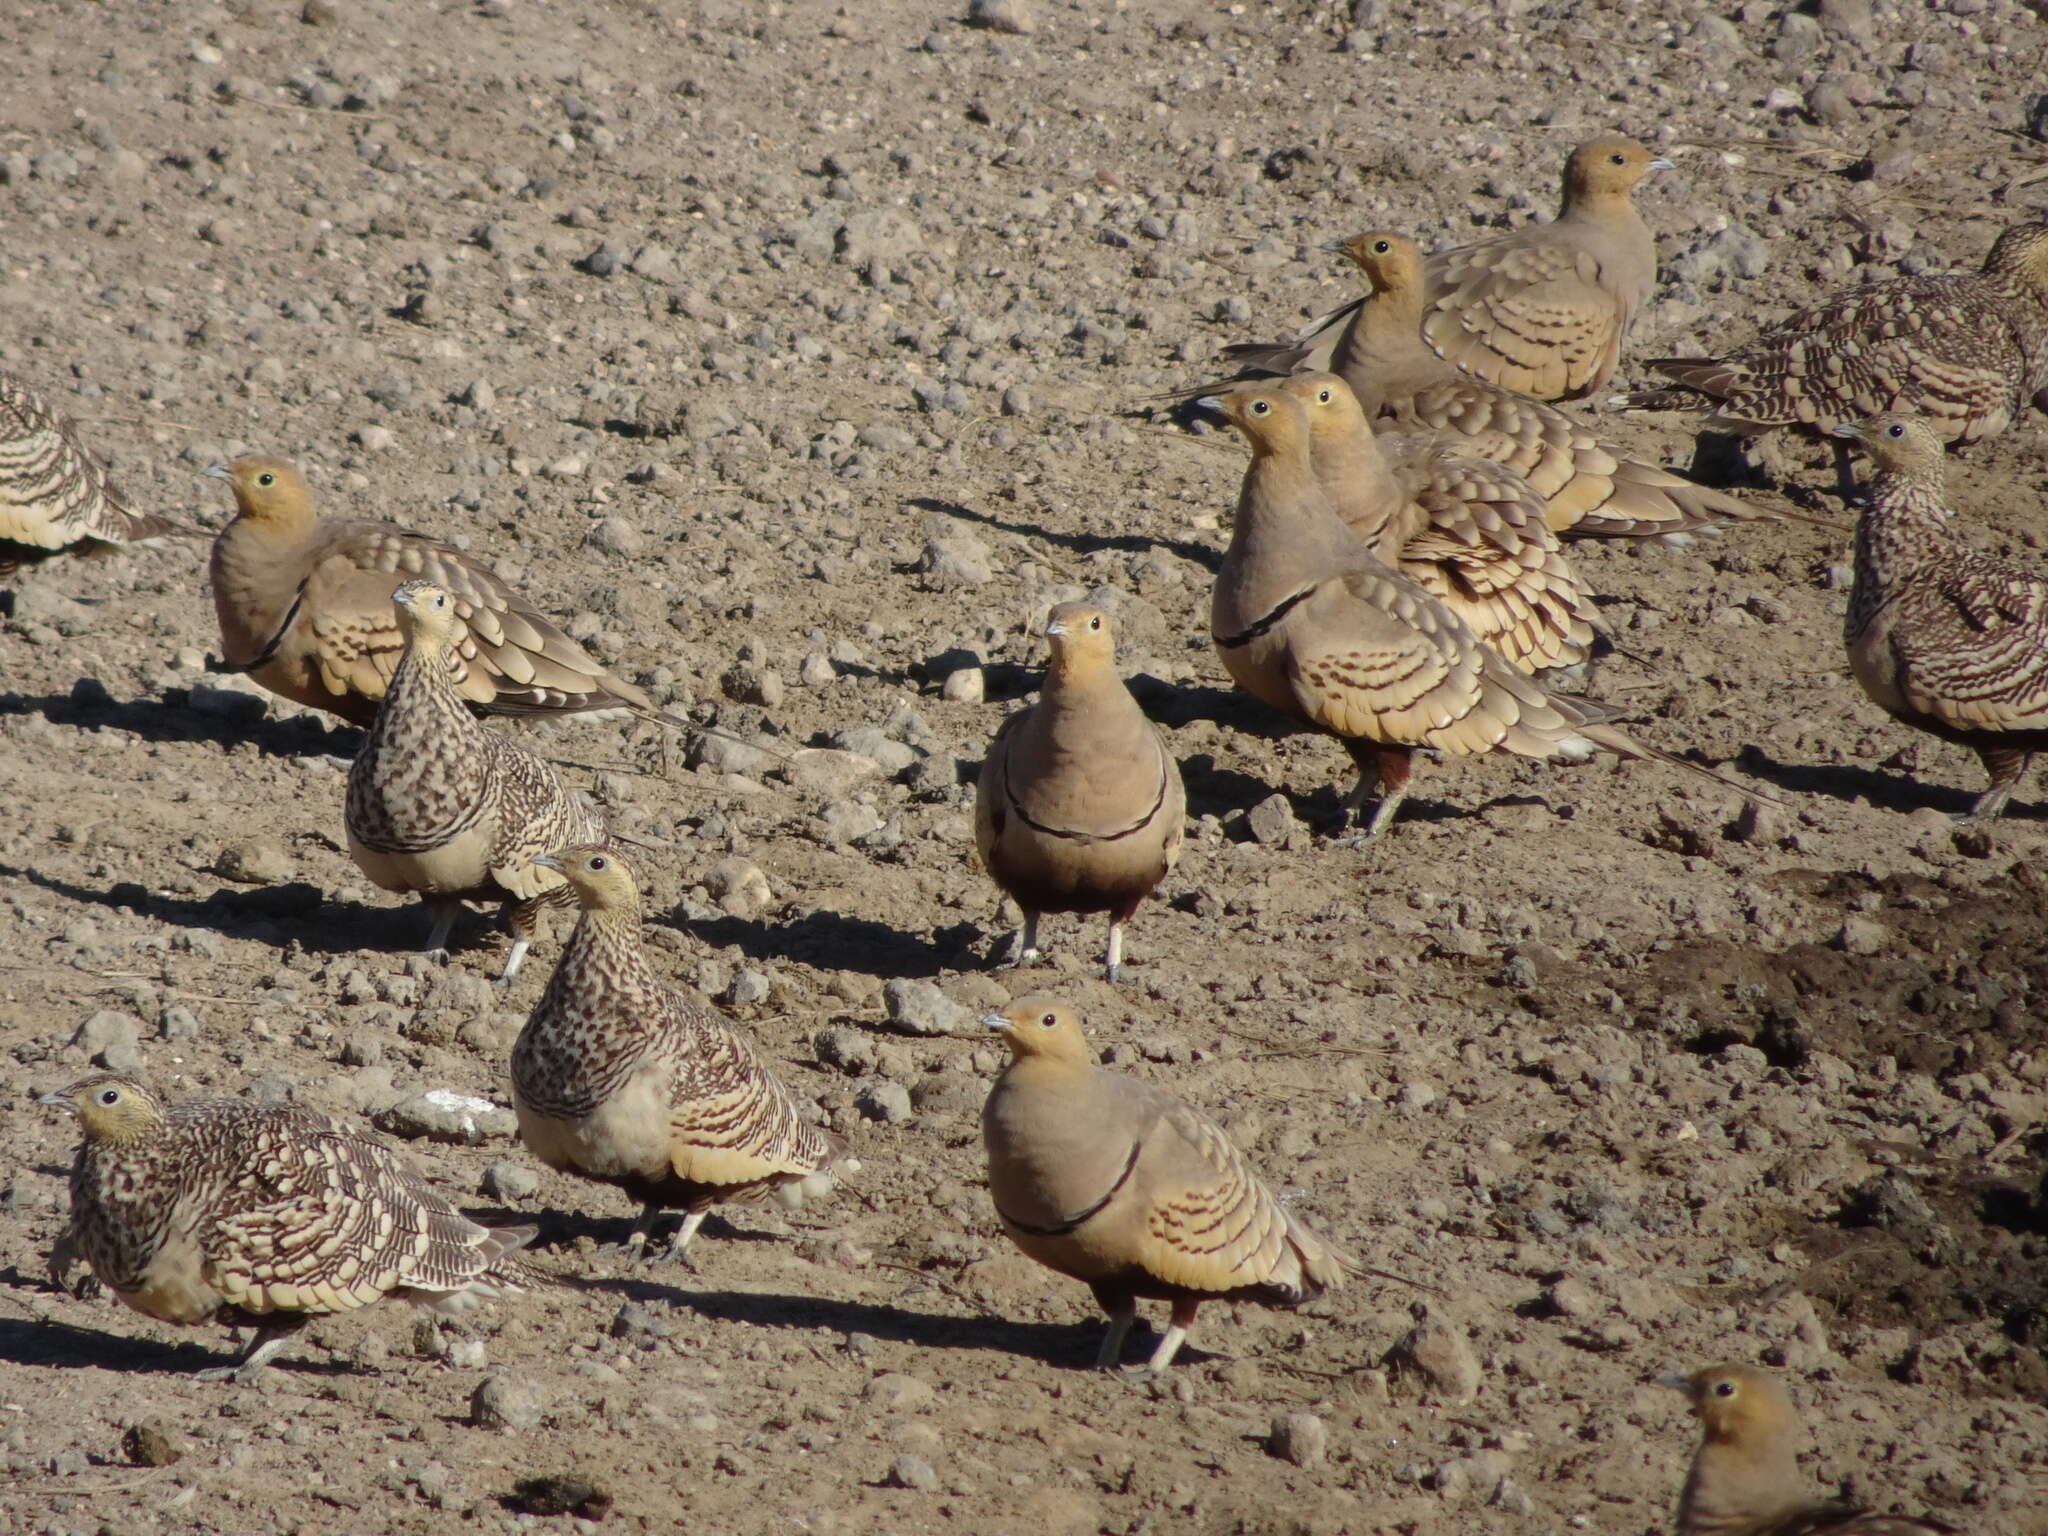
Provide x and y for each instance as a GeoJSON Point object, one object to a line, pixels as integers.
{"type": "Point", "coordinates": [797, 356]}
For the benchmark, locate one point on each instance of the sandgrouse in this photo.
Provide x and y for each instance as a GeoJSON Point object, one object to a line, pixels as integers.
{"type": "Point", "coordinates": [268, 1215]}
{"type": "Point", "coordinates": [1079, 807]}
{"type": "Point", "coordinates": [1114, 1182]}
{"type": "Point", "coordinates": [54, 496]}
{"type": "Point", "coordinates": [1942, 638]}
{"type": "Point", "coordinates": [1306, 620]}
{"type": "Point", "coordinates": [440, 805]}
{"type": "Point", "coordinates": [1745, 1478]}
{"type": "Point", "coordinates": [620, 1079]}
{"type": "Point", "coordinates": [305, 608]}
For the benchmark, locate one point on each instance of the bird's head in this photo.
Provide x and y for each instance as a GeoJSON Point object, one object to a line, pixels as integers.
{"type": "Point", "coordinates": [1608, 166]}
{"type": "Point", "coordinates": [1738, 1405]}
{"type": "Point", "coordinates": [1326, 401]}
{"type": "Point", "coordinates": [110, 1108]}
{"type": "Point", "coordinates": [599, 877]}
{"type": "Point", "coordinates": [1081, 635]}
{"type": "Point", "coordinates": [268, 492]}
{"type": "Point", "coordinates": [425, 611]}
{"type": "Point", "coordinates": [1270, 419]}
{"type": "Point", "coordinates": [1039, 1024]}
{"type": "Point", "coordinates": [1897, 443]}
{"type": "Point", "coordinates": [1391, 263]}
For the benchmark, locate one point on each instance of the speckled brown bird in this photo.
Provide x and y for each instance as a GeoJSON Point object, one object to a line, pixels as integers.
{"type": "Point", "coordinates": [1942, 638]}
{"type": "Point", "coordinates": [620, 1079]}
{"type": "Point", "coordinates": [264, 1215]}
{"type": "Point", "coordinates": [1308, 622]}
{"type": "Point", "coordinates": [1589, 488]}
{"type": "Point", "coordinates": [305, 609]}
{"type": "Point", "coordinates": [1114, 1182]}
{"type": "Point", "coordinates": [55, 497]}
{"type": "Point", "coordinates": [1544, 310]}
{"type": "Point", "coordinates": [1469, 532]}
{"type": "Point", "coordinates": [442, 806]}
{"type": "Point", "coordinates": [1745, 1478]}
{"type": "Point", "coordinates": [1965, 351]}
{"type": "Point", "coordinates": [1079, 807]}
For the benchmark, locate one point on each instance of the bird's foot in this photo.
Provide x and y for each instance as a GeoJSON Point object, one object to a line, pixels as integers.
{"type": "Point", "coordinates": [241, 1375]}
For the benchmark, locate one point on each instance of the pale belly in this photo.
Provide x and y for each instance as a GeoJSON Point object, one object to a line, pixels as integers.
{"type": "Point", "coordinates": [457, 867]}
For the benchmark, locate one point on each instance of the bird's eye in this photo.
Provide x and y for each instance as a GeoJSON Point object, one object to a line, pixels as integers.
{"type": "Point", "coordinates": [109, 1097]}
{"type": "Point", "coordinates": [1260, 407]}
{"type": "Point", "coordinates": [1617, 158]}
{"type": "Point", "coordinates": [1382, 247]}
{"type": "Point", "coordinates": [1095, 623]}
{"type": "Point", "coordinates": [1895, 430]}
{"type": "Point", "coordinates": [598, 862]}
{"type": "Point", "coordinates": [266, 478]}
{"type": "Point", "coordinates": [1724, 1389]}
{"type": "Point", "coordinates": [1323, 397]}
{"type": "Point", "coordinates": [1048, 1020]}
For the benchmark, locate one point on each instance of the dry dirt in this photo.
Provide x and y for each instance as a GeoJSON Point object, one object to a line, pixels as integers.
{"type": "Point", "coordinates": [797, 354]}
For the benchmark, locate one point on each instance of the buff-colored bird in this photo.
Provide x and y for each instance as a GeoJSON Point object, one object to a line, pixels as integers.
{"type": "Point", "coordinates": [263, 1215]}
{"type": "Point", "coordinates": [1965, 351]}
{"type": "Point", "coordinates": [55, 497]}
{"type": "Point", "coordinates": [1079, 807]}
{"type": "Point", "coordinates": [1745, 1478]}
{"type": "Point", "coordinates": [1543, 311]}
{"type": "Point", "coordinates": [1307, 621]}
{"type": "Point", "coordinates": [1114, 1182]}
{"type": "Point", "coordinates": [1944, 639]}
{"type": "Point", "coordinates": [305, 609]}
{"type": "Point", "coordinates": [442, 806]}
{"type": "Point", "coordinates": [1469, 532]}
{"type": "Point", "coordinates": [619, 1079]}
{"type": "Point", "coordinates": [1589, 488]}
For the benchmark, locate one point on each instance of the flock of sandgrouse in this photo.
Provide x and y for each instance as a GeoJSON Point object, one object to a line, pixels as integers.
{"type": "Point", "coordinates": [1395, 579]}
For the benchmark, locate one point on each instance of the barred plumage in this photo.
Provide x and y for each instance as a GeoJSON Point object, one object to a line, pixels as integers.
{"type": "Point", "coordinates": [305, 609]}
{"type": "Point", "coordinates": [1079, 807]}
{"type": "Point", "coordinates": [1543, 311]}
{"type": "Point", "coordinates": [441, 805]}
{"type": "Point", "coordinates": [1469, 532]}
{"type": "Point", "coordinates": [219, 1210]}
{"type": "Point", "coordinates": [1942, 638]}
{"type": "Point", "coordinates": [54, 495]}
{"type": "Point", "coordinates": [1745, 1478]}
{"type": "Point", "coordinates": [619, 1079]}
{"type": "Point", "coordinates": [1965, 351]}
{"type": "Point", "coordinates": [1306, 620]}
{"type": "Point", "coordinates": [1111, 1181]}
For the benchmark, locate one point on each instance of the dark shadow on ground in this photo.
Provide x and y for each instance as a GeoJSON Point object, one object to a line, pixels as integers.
{"type": "Point", "coordinates": [171, 719]}
{"type": "Point", "coordinates": [1081, 543]}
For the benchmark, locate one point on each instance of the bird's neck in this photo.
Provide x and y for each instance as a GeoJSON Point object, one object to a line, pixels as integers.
{"type": "Point", "coordinates": [424, 684]}
{"type": "Point", "coordinates": [602, 959]}
{"type": "Point", "coordinates": [1596, 206]}
{"type": "Point", "coordinates": [1906, 528]}
{"type": "Point", "coordinates": [1736, 1489]}
{"type": "Point", "coordinates": [1286, 537]}
{"type": "Point", "coordinates": [1356, 481]}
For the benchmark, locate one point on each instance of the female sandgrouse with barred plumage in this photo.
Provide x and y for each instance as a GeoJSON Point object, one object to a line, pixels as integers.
{"type": "Point", "coordinates": [55, 496]}
{"type": "Point", "coordinates": [268, 1215]}
{"type": "Point", "coordinates": [1942, 638]}
{"type": "Point", "coordinates": [620, 1079]}
{"type": "Point", "coordinates": [440, 805]}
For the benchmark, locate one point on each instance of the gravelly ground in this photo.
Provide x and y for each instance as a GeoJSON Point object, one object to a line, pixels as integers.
{"type": "Point", "coordinates": [798, 354]}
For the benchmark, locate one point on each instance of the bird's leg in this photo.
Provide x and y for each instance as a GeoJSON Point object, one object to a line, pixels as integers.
{"type": "Point", "coordinates": [677, 1252]}
{"type": "Point", "coordinates": [1025, 951]}
{"type": "Point", "coordinates": [444, 914]}
{"type": "Point", "coordinates": [270, 1340]}
{"type": "Point", "coordinates": [2007, 766]}
{"type": "Point", "coordinates": [1123, 1311]}
{"type": "Point", "coordinates": [1113, 957]}
{"type": "Point", "coordinates": [1845, 475]}
{"type": "Point", "coordinates": [523, 919]}
{"type": "Point", "coordinates": [1387, 768]}
{"type": "Point", "coordinates": [636, 1240]}
{"type": "Point", "coordinates": [1176, 1334]}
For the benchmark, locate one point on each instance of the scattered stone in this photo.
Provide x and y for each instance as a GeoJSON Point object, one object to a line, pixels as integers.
{"type": "Point", "coordinates": [441, 1114]}
{"type": "Point", "coordinates": [1011, 16]}
{"type": "Point", "coordinates": [561, 1494]}
{"type": "Point", "coordinates": [261, 862]}
{"type": "Point", "coordinates": [506, 1402]}
{"type": "Point", "coordinates": [153, 1443]}
{"type": "Point", "coordinates": [920, 1008]}
{"type": "Point", "coordinates": [888, 1103]}
{"type": "Point", "coordinates": [852, 1051]}
{"type": "Point", "coordinates": [1300, 1438]}
{"type": "Point", "coordinates": [909, 1471]}
{"type": "Point", "coordinates": [1442, 1356]}
{"type": "Point", "coordinates": [895, 1392]}
{"type": "Point", "coordinates": [507, 1180]}
{"type": "Point", "coordinates": [112, 1040]}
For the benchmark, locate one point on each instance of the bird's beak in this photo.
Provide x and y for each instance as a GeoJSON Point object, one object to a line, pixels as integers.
{"type": "Point", "coordinates": [1210, 403]}
{"type": "Point", "coordinates": [548, 861]}
{"type": "Point", "coordinates": [994, 1021]}
{"type": "Point", "coordinates": [1337, 247]}
{"type": "Point", "coordinates": [1846, 429]}
{"type": "Point", "coordinates": [56, 1098]}
{"type": "Point", "coordinates": [1661, 164]}
{"type": "Point", "coordinates": [215, 472]}
{"type": "Point", "coordinates": [1055, 629]}
{"type": "Point", "coordinates": [1673, 1380]}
